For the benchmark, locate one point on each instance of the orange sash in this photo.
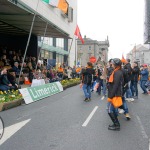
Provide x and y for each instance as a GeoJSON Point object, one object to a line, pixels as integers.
{"type": "Point", "coordinates": [111, 78]}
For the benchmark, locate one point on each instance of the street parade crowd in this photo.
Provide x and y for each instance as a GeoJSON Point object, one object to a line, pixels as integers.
{"type": "Point", "coordinates": [118, 80]}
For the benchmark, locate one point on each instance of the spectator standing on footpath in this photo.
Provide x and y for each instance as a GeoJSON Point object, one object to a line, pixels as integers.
{"type": "Point", "coordinates": [69, 72]}
{"type": "Point", "coordinates": [78, 71]}
{"type": "Point", "coordinates": [74, 73]}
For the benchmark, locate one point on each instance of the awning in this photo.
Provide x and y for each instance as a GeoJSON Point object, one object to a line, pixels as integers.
{"type": "Point", "coordinates": [16, 20]}
{"type": "Point", "coordinates": [53, 49]}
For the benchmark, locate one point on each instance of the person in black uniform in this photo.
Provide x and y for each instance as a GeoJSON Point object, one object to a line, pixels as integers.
{"type": "Point", "coordinates": [115, 89]}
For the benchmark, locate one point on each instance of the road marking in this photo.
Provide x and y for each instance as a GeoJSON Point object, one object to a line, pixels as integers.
{"type": "Point", "coordinates": [149, 144]}
{"type": "Point", "coordinates": [103, 98]}
{"type": "Point", "coordinates": [89, 117]}
{"type": "Point", "coordinates": [142, 128]}
{"type": "Point", "coordinates": [11, 130]}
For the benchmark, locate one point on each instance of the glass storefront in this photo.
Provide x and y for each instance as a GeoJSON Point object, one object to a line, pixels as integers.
{"type": "Point", "coordinates": [59, 59]}
{"type": "Point", "coordinates": [46, 54]}
{"type": "Point", "coordinates": [47, 40]}
{"type": "Point", "coordinates": [60, 43]}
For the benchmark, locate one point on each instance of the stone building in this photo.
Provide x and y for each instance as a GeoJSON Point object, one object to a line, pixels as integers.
{"type": "Point", "coordinates": [98, 49]}
{"type": "Point", "coordinates": [140, 53]}
{"type": "Point", "coordinates": [147, 22]}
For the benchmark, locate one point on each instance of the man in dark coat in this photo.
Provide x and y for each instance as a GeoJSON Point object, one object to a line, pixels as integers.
{"type": "Point", "coordinates": [87, 77]}
{"type": "Point", "coordinates": [134, 80]}
{"type": "Point", "coordinates": [128, 71]}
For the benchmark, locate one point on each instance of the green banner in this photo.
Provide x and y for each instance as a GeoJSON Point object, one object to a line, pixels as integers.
{"type": "Point", "coordinates": [32, 94]}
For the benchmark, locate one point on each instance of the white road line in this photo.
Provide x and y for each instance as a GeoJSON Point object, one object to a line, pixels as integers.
{"type": "Point", "coordinates": [149, 144]}
{"type": "Point", "coordinates": [142, 128]}
{"type": "Point", "coordinates": [102, 98]}
{"type": "Point", "coordinates": [89, 117]}
{"type": "Point", "coordinates": [11, 130]}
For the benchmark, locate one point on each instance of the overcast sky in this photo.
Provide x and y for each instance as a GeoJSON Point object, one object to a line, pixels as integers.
{"type": "Point", "coordinates": [121, 20]}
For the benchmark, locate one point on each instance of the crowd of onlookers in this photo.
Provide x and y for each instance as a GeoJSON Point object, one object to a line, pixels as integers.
{"type": "Point", "coordinates": [11, 76]}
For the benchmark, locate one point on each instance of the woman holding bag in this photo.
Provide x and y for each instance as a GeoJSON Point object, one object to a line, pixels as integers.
{"type": "Point", "coordinates": [115, 91]}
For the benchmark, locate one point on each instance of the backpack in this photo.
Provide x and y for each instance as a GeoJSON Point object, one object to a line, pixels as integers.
{"type": "Point", "coordinates": [88, 79]}
{"type": "Point", "coordinates": [127, 72]}
{"type": "Point", "coordinates": [88, 76]}
{"type": "Point", "coordinates": [125, 76]}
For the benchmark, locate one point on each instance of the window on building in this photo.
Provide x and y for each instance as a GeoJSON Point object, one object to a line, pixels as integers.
{"type": "Point", "coordinates": [47, 40]}
{"type": "Point", "coordinates": [42, 53]}
{"type": "Point", "coordinates": [46, 55]}
{"type": "Point", "coordinates": [60, 43]}
{"type": "Point", "coordinates": [89, 48]}
{"type": "Point", "coordinates": [50, 55]}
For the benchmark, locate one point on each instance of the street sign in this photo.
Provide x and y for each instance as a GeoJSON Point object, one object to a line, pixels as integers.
{"type": "Point", "coordinates": [92, 59]}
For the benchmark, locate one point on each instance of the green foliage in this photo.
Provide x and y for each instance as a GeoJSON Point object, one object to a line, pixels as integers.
{"type": "Point", "coordinates": [8, 96]}
{"type": "Point", "coordinates": [70, 82]}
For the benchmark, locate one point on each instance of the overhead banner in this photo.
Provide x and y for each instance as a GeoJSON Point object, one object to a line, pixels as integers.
{"type": "Point", "coordinates": [32, 94]}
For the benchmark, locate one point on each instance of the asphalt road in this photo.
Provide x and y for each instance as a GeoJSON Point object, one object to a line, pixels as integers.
{"type": "Point", "coordinates": [65, 122]}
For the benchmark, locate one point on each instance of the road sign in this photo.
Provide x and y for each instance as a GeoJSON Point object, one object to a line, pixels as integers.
{"type": "Point", "coordinates": [92, 59]}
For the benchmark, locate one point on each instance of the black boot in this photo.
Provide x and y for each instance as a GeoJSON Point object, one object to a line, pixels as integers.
{"type": "Point", "coordinates": [116, 124]}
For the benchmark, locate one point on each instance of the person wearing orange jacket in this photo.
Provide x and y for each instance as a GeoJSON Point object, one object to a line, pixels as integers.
{"type": "Point", "coordinates": [78, 71]}
{"type": "Point", "coordinates": [60, 72]}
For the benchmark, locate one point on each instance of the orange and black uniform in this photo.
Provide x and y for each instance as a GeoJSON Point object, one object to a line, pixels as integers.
{"type": "Point", "coordinates": [115, 89]}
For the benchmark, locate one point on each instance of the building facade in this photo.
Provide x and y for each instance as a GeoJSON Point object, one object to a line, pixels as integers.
{"type": "Point", "coordinates": [140, 53]}
{"type": "Point", "coordinates": [59, 32]}
{"type": "Point", "coordinates": [90, 48]}
{"type": "Point", "coordinates": [147, 22]}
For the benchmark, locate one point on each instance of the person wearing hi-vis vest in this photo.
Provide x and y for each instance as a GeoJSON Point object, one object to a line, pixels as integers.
{"type": "Point", "coordinates": [115, 91]}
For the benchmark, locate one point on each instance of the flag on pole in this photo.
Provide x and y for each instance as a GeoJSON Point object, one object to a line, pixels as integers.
{"type": "Point", "coordinates": [78, 34]}
{"type": "Point", "coordinates": [61, 4]}
{"type": "Point", "coordinates": [123, 56]}
{"type": "Point", "coordinates": [123, 59]}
